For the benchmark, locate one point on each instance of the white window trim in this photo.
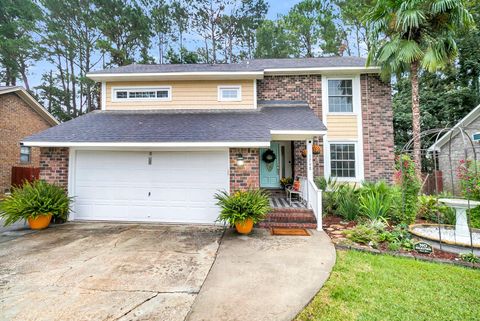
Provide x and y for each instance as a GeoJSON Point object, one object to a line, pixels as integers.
{"type": "Point", "coordinates": [358, 161]}
{"type": "Point", "coordinates": [29, 154]}
{"type": "Point", "coordinates": [219, 92]}
{"type": "Point", "coordinates": [355, 95]}
{"type": "Point", "coordinates": [134, 88]}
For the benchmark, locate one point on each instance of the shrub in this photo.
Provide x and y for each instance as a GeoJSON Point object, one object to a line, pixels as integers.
{"type": "Point", "coordinates": [242, 205]}
{"type": "Point", "coordinates": [407, 180]}
{"type": "Point", "coordinates": [346, 199]}
{"type": "Point", "coordinates": [329, 187]}
{"type": "Point", "coordinates": [468, 173]}
{"type": "Point", "coordinates": [363, 234]}
{"type": "Point", "coordinates": [431, 210]}
{"type": "Point", "coordinates": [470, 257]}
{"type": "Point", "coordinates": [474, 217]}
{"type": "Point", "coordinates": [378, 201]}
{"type": "Point", "coordinates": [33, 200]}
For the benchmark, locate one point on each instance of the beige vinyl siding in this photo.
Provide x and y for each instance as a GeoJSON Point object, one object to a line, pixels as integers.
{"type": "Point", "coordinates": [198, 94]}
{"type": "Point", "coordinates": [342, 127]}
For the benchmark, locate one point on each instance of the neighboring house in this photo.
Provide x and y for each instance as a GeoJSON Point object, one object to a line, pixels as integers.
{"type": "Point", "coordinates": [20, 115]}
{"type": "Point", "coordinates": [169, 136]}
{"type": "Point", "coordinates": [456, 145]}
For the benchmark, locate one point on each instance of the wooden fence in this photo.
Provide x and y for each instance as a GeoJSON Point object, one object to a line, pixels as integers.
{"type": "Point", "coordinates": [22, 174]}
{"type": "Point", "coordinates": [429, 186]}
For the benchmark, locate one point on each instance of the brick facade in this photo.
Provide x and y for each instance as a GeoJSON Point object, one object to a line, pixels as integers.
{"type": "Point", "coordinates": [54, 165]}
{"type": "Point", "coordinates": [453, 152]}
{"type": "Point", "coordinates": [305, 88]}
{"type": "Point", "coordinates": [17, 121]}
{"type": "Point", "coordinates": [248, 175]}
{"type": "Point", "coordinates": [377, 114]}
{"type": "Point", "coordinates": [377, 117]}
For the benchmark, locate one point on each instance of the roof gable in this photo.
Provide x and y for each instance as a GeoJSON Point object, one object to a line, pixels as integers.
{"type": "Point", "coordinates": [32, 102]}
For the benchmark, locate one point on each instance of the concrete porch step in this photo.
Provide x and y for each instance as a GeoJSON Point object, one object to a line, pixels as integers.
{"type": "Point", "coordinates": [266, 224]}
{"type": "Point", "coordinates": [292, 217]}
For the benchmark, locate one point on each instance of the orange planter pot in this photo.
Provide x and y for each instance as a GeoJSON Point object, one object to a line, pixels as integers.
{"type": "Point", "coordinates": [40, 222]}
{"type": "Point", "coordinates": [244, 227]}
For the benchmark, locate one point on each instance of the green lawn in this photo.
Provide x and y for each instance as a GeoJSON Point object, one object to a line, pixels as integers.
{"type": "Point", "coordinates": [377, 287]}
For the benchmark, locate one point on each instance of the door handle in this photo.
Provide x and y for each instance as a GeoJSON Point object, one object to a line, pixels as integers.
{"type": "Point", "coordinates": [149, 193]}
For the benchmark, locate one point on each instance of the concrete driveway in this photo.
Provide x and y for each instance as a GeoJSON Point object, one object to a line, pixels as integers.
{"type": "Point", "coordinates": [100, 271]}
{"type": "Point", "coordinates": [107, 271]}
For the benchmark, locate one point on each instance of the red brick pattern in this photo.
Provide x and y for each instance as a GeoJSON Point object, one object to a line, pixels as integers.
{"type": "Point", "coordinates": [377, 114]}
{"type": "Point", "coordinates": [17, 121]}
{"type": "Point", "coordinates": [306, 88]}
{"type": "Point", "coordinates": [246, 176]}
{"type": "Point", "coordinates": [54, 165]}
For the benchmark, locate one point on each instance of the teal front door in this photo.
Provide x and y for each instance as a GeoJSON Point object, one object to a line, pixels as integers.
{"type": "Point", "coordinates": [270, 171]}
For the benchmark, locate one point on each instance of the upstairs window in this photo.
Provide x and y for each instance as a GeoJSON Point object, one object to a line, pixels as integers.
{"type": "Point", "coordinates": [25, 154]}
{"type": "Point", "coordinates": [340, 96]}
{"type": "Point", "coordinates": [160, 93]}
{"type": "Point", "coordinates": [229, 93]}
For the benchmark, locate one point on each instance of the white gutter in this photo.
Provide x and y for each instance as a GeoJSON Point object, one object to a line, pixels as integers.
{"type": "Point", "coordinates": [176, 75]}
{"type": "Point", "coordinates": [147, 145]}
{"type": "Point", "coordinates": [299, 132]}
{"type": "Point", "coordinates": [320, 70]}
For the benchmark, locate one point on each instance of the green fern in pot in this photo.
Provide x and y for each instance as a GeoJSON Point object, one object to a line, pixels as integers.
{"type": "Point", "coordinates": [243, 208]}
{"type": "Point", "coordinates": [36, 203]}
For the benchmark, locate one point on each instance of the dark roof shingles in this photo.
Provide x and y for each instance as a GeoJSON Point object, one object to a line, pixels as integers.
{"type": "Point", "coordinates": [181, 126]}
{"type": "Point", "coordinates": [247, 65]}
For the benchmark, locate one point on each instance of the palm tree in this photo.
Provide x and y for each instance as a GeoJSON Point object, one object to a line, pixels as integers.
{"type": "Point", "coordinates": [417, 35]}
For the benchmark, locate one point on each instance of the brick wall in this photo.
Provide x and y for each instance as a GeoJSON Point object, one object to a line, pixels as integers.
{"type": "Point", "coordinates": [376, 112]}
{"type": "Point", "coordinates": [377, 117]}
{"type": "Point", "coordinates": [248, 175]}
{"type": "Point", "coordinates": [306, 88]}
{"type": "Point", "coordinates": [17, 120]}
{"type": "Point", "coordinates": [453, 152]}
{"type": "Point", "coordinates": [54, 165]}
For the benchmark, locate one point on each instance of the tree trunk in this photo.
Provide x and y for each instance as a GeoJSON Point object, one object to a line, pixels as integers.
{"type": "Point", "coordinates": [417, 153]}
{"type": "Point", "coordinates": [23, 72]}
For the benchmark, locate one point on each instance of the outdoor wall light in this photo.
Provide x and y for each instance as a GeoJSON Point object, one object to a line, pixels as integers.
{"type": "Point", "coordinates": [240, 160]}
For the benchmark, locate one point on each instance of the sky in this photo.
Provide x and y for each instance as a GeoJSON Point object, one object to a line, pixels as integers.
{"type": "Point", "coordinates": [277, 7]}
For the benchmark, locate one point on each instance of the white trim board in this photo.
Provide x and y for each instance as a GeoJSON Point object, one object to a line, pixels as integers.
{"type": "Point", "coordinates": [203, 75]}
{"type": "Point", "coordinates": [148, 145]}
{"type": "Point", "coordinates": [358, 141]}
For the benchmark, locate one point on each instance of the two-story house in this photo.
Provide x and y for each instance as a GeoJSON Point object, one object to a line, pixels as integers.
{"type": "Point", "coordinates": [168, 137]}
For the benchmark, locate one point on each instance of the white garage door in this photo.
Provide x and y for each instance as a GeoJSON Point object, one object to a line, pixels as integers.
{"type": "Point", "coordinates": [149, 186]}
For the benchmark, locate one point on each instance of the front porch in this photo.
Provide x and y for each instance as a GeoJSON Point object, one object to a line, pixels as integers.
{"type": "Point", "coordinates": [293, 159]}
{"type": "Point", "coordinates": [279, 200]}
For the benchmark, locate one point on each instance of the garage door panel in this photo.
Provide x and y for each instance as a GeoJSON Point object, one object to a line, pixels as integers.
{"type": "Point", "coordinates": [175, 187]}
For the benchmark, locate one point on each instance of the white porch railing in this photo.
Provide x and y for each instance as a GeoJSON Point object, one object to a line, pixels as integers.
{"type": "Point", "coordinates": [313, 196]}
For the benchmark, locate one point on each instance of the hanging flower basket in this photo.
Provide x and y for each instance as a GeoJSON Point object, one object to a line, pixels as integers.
{"type": "Point", "coordinates": [316, 149]}
{"type": "Point", "coordinates": [304, 153]}
{"type": "Point", "coordinates": [269, 156]}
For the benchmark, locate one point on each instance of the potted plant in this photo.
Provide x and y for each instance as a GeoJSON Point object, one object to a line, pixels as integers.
{"type": "Point", "coordinates": [243, 208]}
{"type": "Point", "coordinates": [36, 203]}
{"type": "Point", "coordinates": [285, 181]}
{"type": "Point", "coordinates": [316, 149]}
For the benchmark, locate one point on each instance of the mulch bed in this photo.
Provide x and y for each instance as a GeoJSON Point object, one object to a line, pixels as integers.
{"type": "Point", "coordinates": [334, 227]}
